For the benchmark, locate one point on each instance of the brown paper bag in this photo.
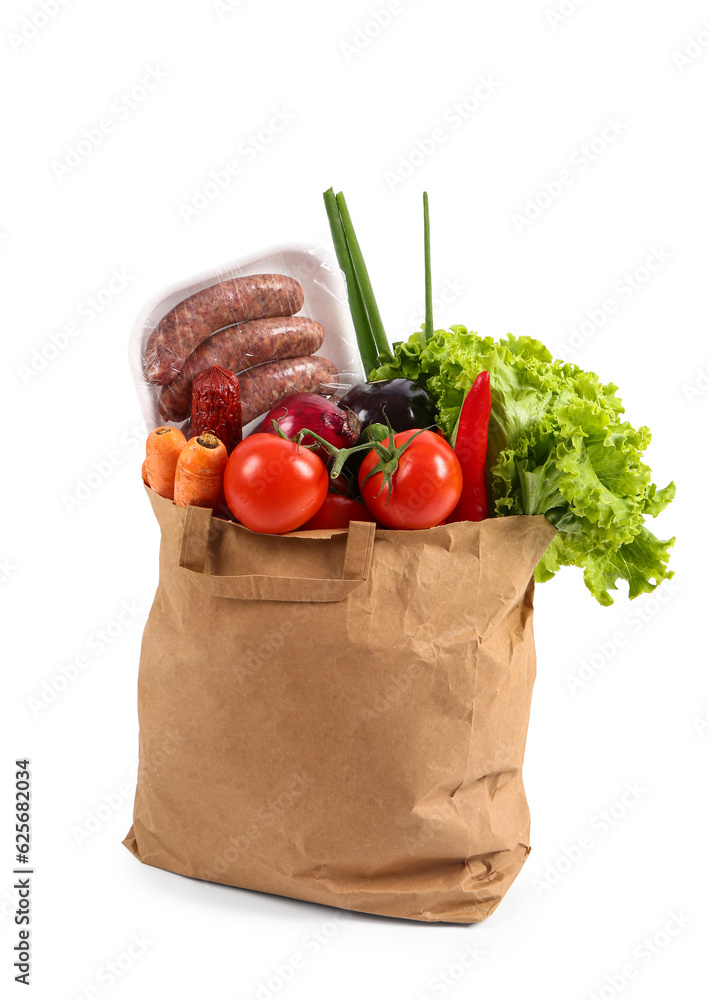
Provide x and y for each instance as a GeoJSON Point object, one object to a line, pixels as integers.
{"type": "Point", "coordinates": [340, 716]}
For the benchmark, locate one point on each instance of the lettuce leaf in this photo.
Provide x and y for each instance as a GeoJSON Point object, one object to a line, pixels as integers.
{"type": "Point", "coordinates": [557, 446]}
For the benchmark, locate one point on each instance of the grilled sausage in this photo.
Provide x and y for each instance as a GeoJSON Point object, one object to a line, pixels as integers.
{"type": "Point", "coordinates": [238, 348]}
{"type": "Point", "coordinates": [263, 387]}
{"type": "Point", "coordinates": [191, 321]}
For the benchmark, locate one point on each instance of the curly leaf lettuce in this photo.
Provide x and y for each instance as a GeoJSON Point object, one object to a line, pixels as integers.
{"type": "Point", "coordinates": [557, 446]}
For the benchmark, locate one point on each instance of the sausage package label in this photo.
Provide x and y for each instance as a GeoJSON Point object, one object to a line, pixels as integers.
{"type": "Point", "coordinates": [340, 716]}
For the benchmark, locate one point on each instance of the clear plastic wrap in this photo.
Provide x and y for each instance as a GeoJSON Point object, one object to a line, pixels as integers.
{"type": "Point", "coordinates": [263, 341]}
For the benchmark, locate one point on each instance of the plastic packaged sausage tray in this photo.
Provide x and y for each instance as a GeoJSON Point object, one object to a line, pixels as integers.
{"type": "Point", "coordinates": [325, 301]}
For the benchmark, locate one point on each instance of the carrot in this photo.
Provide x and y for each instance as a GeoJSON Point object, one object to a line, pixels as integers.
{"type": "Point", "coordinates": [199, 477]}
{"type": "Point", "coordinates": [144, 472]}
{"type": "Point", "coordinates": [162, 449]}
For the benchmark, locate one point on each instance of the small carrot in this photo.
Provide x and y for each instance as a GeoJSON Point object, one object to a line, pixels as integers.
{"type": "Point", "coordinates": [144, 472]}
{"type": "Point", "coordinates": [199, 477]}
{"type": "Point", "coordinates": [162, 449]}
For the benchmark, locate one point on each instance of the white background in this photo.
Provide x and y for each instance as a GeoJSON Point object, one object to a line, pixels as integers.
{"type": "Point", "coordinates": [643, 716]}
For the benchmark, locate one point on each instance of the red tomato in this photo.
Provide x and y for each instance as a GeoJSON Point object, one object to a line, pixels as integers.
{"type": "Point", "coordinates": [339, 485]}
{"type": "Point", "coordinates": [337, 512]}
{"type": "Point", "coordinates": [425, 487]}
{"type": "Point", "coordinates": [272, 485]}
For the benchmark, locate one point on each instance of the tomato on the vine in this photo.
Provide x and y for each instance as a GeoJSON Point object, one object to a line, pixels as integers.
{"type": "Point", "coordinates": [272, 485]}
{"type": "Point", "coordinates": [425, 485]}
{"type": "Point", "coordinates": [337, 512]}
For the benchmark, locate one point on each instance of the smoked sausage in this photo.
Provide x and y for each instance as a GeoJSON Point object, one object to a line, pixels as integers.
{"type": "Point", "coordinates": [238, 348]}
{"type": "Point", "coordinates": [191, 321]}
{"type": "Point", "coordinates": [263, 387]}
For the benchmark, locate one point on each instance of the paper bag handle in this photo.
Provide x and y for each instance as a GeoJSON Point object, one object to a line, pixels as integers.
{"type": "Point", "coordinates": [355, 570]}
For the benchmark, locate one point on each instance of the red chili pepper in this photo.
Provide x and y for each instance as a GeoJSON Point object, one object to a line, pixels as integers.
{"type": "Point", "coordinates": [471, 449]}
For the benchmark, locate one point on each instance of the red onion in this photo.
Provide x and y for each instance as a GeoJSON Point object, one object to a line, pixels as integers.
{"type": "Point", "coordinates": [336, 425]}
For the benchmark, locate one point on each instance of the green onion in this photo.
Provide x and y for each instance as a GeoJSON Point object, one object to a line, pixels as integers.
{"type": "Point", "coordinates": [360, 269]}
{"type": "Point", "coordinates": [428, 327]}
{"type": "Point", "coordinates": [365, 339]}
